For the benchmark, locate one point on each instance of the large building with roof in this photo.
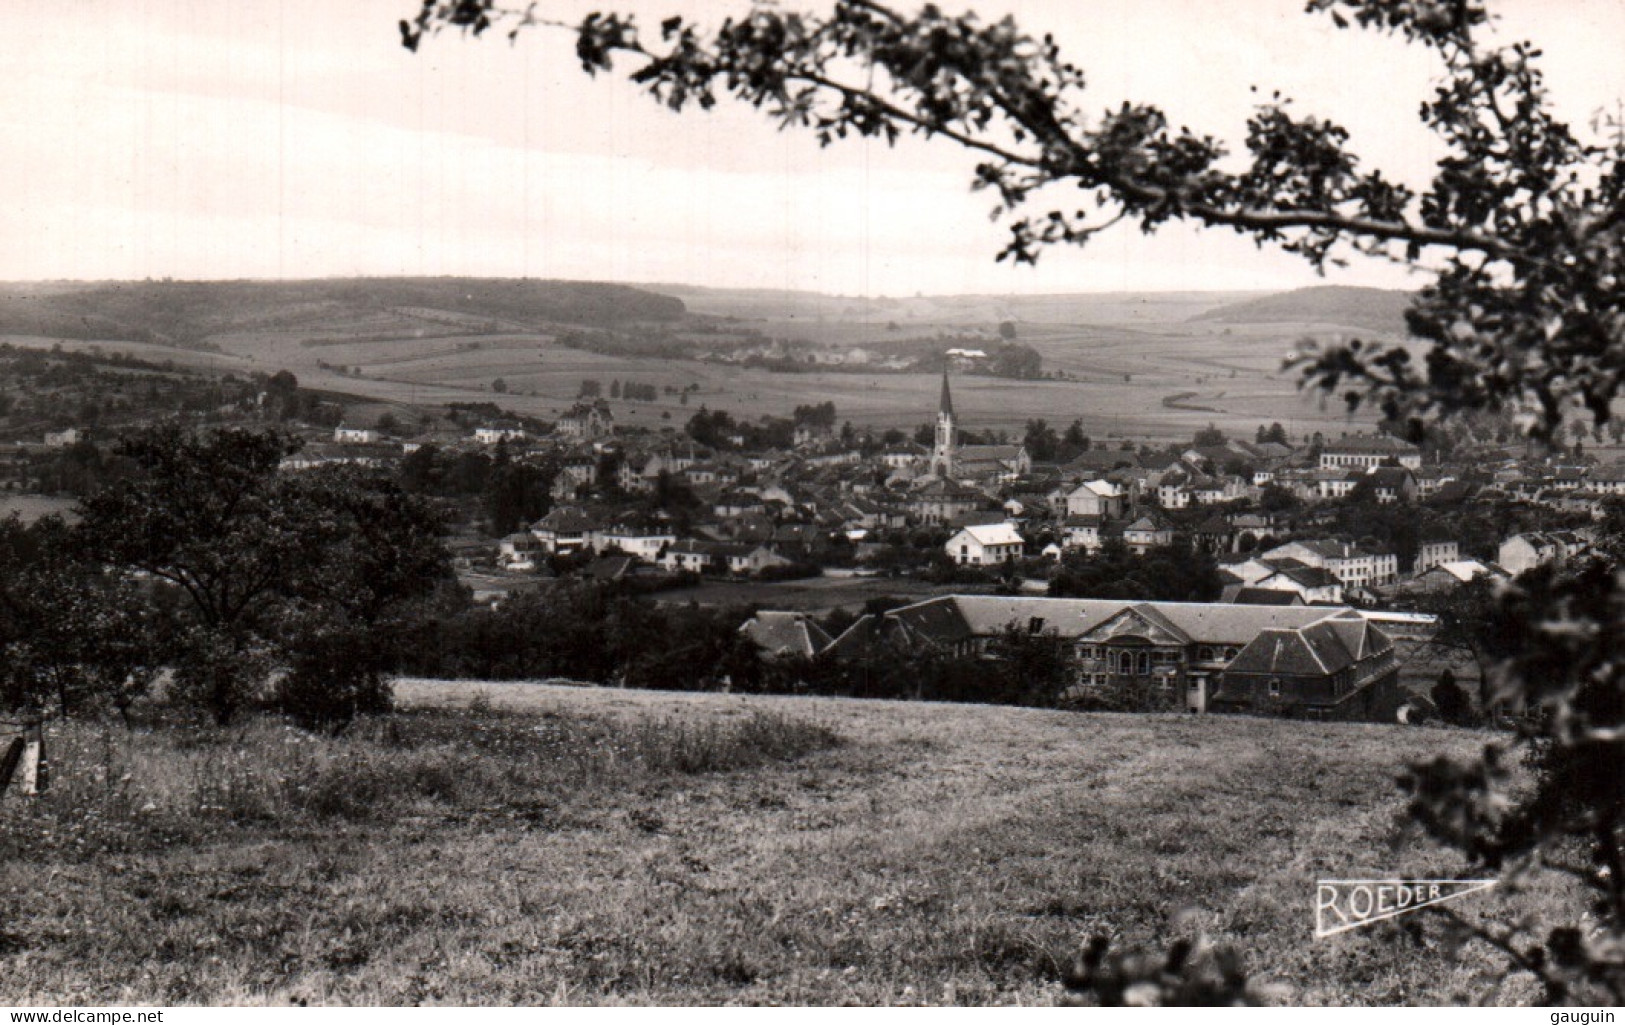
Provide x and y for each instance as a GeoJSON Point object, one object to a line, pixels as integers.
{"type": "Point", "coordinates": [1316, 662]}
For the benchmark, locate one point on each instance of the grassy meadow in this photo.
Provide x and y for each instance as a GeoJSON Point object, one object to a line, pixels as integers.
{"type": "Point", "coordinates": [521, 843]}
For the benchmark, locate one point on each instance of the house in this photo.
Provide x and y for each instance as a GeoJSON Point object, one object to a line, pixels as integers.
{"type": "Point", "coordinates": [587, 420]}
{"type": "Point", "coordinates": [1081, 532]}
{"type": "Point", "coordinates": [1146, 533]}
{"type": "Point", "coordinates": [1335, 485]}
{"type": "Point", "coordinates": [941, 501]}
{"type": "Point", "coordinates": [1362, 451]}
{"type": "Point", "coordinates": [1314, 584]}
{"type": "Point", "coordinates": [748, 560]}
{"type": "Point", "coordinates": [1097, 498]}
{"type": "Point", "coordinates": [987, 544]}
{"type": "Point", "coordinates": [1340, 667]}
{"type": "Point", "coordinates": [1608, 480]}
{"type": "Point", "coordinates": [691, 556]}
{"type": "Point", "coordinates": [350, 435]}
{"type": "Point", "coordinates": [1352, 564]}
{"type": "Point", "coordinates": [1391, 484]}
{"type": "Point", "coordinates": [992, 462]}
{"type": "Point", "coordinates": [1523, 552]}
{"type": "Point", "coordinates": [517, 553]}
{"type": "Point", "coordinates": [1447, 576]}
{"type": "Point", "coordinates": [63, 438]}
{"type": "Point", "coordinates": [785, 635]}
{"type": "Point", "coordinates": [904, 456]}
{"type": "Point", "coordinates": [496, 435]}
{"type": "Point", "coordinates": [1433, 553]}
{"type": "Point", "coordinates": [573, 476]}
{"type": "Point", "coordinates": [1213, 534]}
{"type": "Point", "coordinates": [564, 530]}
{"type": "Point", "coordinates": [641, 540]}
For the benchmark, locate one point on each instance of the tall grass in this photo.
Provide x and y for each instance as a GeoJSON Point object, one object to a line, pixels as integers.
{"type": "Point", "coordinates": [115, 790]}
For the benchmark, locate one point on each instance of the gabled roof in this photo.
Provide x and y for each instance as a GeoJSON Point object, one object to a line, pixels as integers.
{"type": "Point", "coordinates": [566, 519]}
{"type": "Point", "coordinates": [1265, 596]}
{"type": "Point", "coordinates": [786, 633]}
{"type": "Point", "coordinates": [1301, 574]}
{"type": "Point", "coordinates": [1369, 445]}
{"type": "Point", "coordinates": [1319, 649]}
{"type": "Point", "coordinates": [1000, 533]}
{"type": "Point", "coordinates": [939, 490]}
{"type": "Point", "coordinates": [1146, 523]}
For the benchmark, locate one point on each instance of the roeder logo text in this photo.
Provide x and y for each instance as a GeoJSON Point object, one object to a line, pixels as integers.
{"type": "Point", "coordinates": [1345, 904]}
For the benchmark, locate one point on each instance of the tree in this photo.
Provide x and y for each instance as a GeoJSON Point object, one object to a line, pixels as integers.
{"type": "Point", "coordinates": [1522, 228]}
{"type": "Point", "coordinates": [499, 386]}
{"type": "Point", "coordinates": [262, 557]}
{"type": "Point", "coordinates": [73, 637]}
{"type": "Point", "coordinates": [1450, 699]}
{"type": "Point", "coordinates": [1040, 441]}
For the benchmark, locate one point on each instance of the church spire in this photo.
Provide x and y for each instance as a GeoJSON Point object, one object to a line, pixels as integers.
{"type": "Point", "coordinates": [945, 452]}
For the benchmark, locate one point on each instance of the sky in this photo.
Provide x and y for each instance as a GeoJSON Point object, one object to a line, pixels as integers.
{"type": "Point", "coordinates": [197, 139]}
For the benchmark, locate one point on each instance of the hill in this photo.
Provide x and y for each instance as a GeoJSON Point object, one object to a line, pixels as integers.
{"type": "Point", "coordinates": [189, 313]}
{"type": "Point", "coordinates": [520, 843]}
{"type": "Point", "coordinates": [1369, 309]}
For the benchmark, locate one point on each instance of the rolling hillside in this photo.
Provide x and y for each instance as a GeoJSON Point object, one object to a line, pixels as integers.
{"type": "Point", "coordinates": [188, 314]}
{"type": "Point", "coordinates": [1369, 309]}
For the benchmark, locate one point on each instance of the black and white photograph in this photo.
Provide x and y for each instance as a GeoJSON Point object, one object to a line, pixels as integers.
{"type": "Point", "coordinates": [806, 503]}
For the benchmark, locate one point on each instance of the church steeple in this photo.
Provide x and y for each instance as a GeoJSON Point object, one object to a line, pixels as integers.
{"type": "Point", "coordinates": [945, 452]}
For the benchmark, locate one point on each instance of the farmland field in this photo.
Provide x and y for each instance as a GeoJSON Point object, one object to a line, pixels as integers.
{"type": "Point", "coordinates": [1154, 365]}
{"type": "Point", "coordinates": [520, 843]}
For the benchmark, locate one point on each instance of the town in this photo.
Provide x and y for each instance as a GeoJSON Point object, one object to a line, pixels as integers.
{"type": "Point", "coordinates": [1291, 576]}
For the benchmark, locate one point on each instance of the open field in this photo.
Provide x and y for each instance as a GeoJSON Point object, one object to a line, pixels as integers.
{"type": "Point", "coordinates": [524, 843]}
{"type": "Point", "coordinates": [1125, 358]}
{"type": "Point", "coordinates": [29, 508]}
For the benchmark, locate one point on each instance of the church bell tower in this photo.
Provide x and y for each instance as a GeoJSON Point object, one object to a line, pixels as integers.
{"type": "Point", "coordinates": [947, 442]}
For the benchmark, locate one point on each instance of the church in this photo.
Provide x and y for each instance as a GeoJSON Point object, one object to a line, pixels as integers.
{"type": "Point", "coordinates": [979, 463]}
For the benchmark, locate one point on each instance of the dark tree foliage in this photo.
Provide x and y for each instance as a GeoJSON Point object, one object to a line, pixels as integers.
{"type": "Point", "coordinates": [268, 562]}
{"type": "Point", "coordinates": [1451, 699]}
{"type": "Point", "coordinates": [517, 494]}
{"type": "Point", "coordinates": [1175, 573]}
{"type": "Point", "coordinates": [74, 637]}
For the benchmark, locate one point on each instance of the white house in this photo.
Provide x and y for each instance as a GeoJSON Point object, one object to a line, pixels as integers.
{"type": "Point", "coordinates": [1434, 553]}
{"type": "Point", "coordinates": [1146, 533]}
{"type": "Point", "coordinates": [493, 435]}
{"type": "Point", "coordinates": [1363, 451]}
{"type": "Point", "coordinates": [356, 435]}
{"type": "Point", "coordinates": [1081, 532]}
{"type": "Point", "coordinates": [1095, 498]}
{"type": "Point", "coordinates": [985, 545]}
{"type": "Point", "coordinates": [1353, 565]}
{"type": "Point", "coordinates": [642, 542]}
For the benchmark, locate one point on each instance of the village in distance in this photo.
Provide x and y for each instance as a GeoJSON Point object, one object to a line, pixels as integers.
{"type": "Point", "coordinates": [911, 563]}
